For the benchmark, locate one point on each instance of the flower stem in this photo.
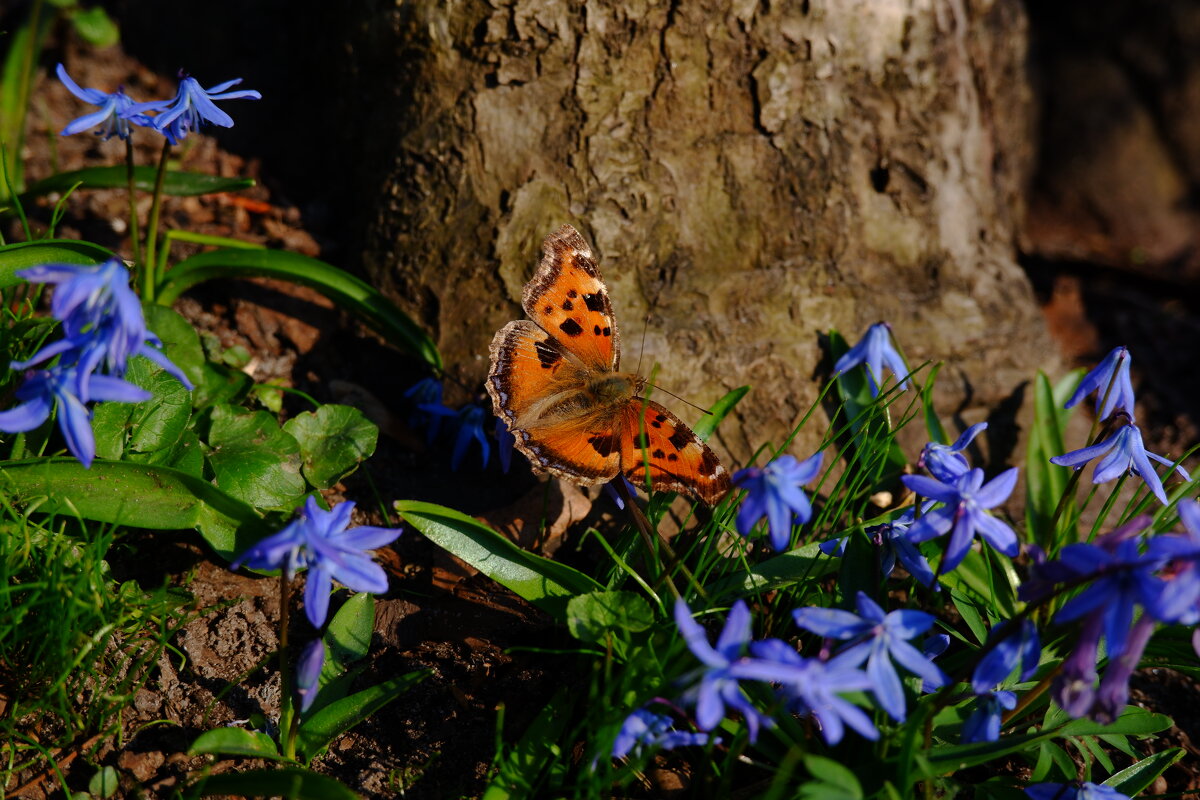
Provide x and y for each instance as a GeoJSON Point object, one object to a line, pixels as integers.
{"type": "Point", "coordinates": [134, 234]}
{"type": "Point", "coordinates": [149, 278]}
{"type": "Point", "coordinates": [287, 728]}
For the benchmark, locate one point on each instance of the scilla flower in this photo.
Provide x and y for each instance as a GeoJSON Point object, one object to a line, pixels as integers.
{"type": "Point", "coordinates": [114, 117]}
{"type": "Point", "coordinates": [1110, 381]}
{"type": "Point", "coordinates": [774, 491]}
{"type": "Point", "coordinates": [192, 106]}
{"type": "Point", "coordinates": [875, 351]}
{"type": "Point", "coordinates": [319, 541]}
{"type": "Point", "coordinates": [1123, 453]}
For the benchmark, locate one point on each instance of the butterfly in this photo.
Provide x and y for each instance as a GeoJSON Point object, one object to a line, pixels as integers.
{"type": "Point", "coordinates": [555, 381]}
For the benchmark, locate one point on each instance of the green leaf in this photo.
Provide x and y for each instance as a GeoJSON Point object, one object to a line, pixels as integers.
{"type": "Point", "coordinates": [545, 583]}
{"type": "Point", "coordinates": [709, 422]}
{"type": "Point", "coordinates": [186, 455]}
{"type": "Point", "coordinates": [156, 498]}
{"type": "Point", "coordinates": [590, 615]}
{"type": "Point", "coordinates": [95, 26]}
{"type": "Point", "coordinates": [802, 564]}
{"type": "Point", "coordinates": [293, 783]}
{"type": "Point", "coordinates": [334, 440]}
{"type": "Point", "coordinates": [178, 184]}
{"type": "Point", "coordinates": [104, 783]}
{"type": "Point", "coordinates": [933, 425]}
{"type": "Point", "coordinates": [181, 343]}
{"type": "Point", "coordinates": [521, 770]}
{"type": "Point", "coordinates": [1046, 482]}
{"type": "Point", "coordinates": [333, 720]}
{"type": "Point", "coordinates": [22, 255]}
{"type": "Point", "coordinates": [349, 633]}
{"type": "Point", "coordinates": [253, 459]}
{"type": "Point", "coordinates": [832, 780]}
{"type": "Point", "coordinates": [157, 423]}
{"type": "Point", "coordinates": [235, 742]}
{"type": "Point", "coordinates": [1137, 777]}
{"type": "Point", "coordinates": [354, 295]}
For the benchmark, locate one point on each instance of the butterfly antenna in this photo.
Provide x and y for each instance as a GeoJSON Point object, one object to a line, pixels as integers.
{"type": "Point", "coordinates": [642, 346]}
{"type": "Point", "coordinates": [680, 399]}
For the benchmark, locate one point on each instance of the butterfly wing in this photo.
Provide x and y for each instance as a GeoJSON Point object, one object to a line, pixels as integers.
{"type": "Point", "coordinates": [567, 298]}
{"type": "Point", "coordinates": [678, 460]}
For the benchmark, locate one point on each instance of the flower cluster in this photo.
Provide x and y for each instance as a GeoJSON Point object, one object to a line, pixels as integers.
{"type": "Point", "coordinates": [1123, 451]}
{"type": "Point", "coordinates": [467, 424]}
{"type": "Point", "coordinates": [192, 106]}
{"type": "Point", "coordinates": [774, 492]}
{"type": "Point", "coordinates": [103, 328]}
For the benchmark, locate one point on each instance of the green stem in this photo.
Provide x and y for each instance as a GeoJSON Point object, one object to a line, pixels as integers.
{"type": "Point", "coordinates": [287, 727]}
{"type": "Point", "coordinates": [134, 236]}
{"type": "Point", "coordinates": [149, 278]}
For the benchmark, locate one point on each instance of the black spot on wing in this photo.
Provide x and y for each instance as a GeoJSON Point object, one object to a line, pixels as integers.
{"type": "Point", "coordinates": [641, 441]}
{"type": "Point", "coordinates": [571, 293]}
{"type": "Point", "coordinates": [594, 302]}
{"type": "Point", "coordinates": [603, 443]}
{"type": "Point", "coordinates": [596, 330]}
{"type": "Point", "coordinates": [679, 438]}
{"type": "Point", "coordinates": [548, 309]}
{"type": "Point", "coordinates": [568, 305]}
{"type": "Point", "coordinates": [607, 331]}
{"type": "Point", "coordinates": [659, 454]}
{"type": "Point", "coordinates": [547, 355]}
{"type": "Point", "coordinates": [570, 327]}
{"type": "Point", "coordinates": [709, 463]}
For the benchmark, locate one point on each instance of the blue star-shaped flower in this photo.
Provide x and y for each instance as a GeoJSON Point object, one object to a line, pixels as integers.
{"type": "Point", "coordinates": [946, 462]}
{"type": "Point", "coordinates": [812, 687]}
{"type": "Point", "coordinates": [114, 117]}
{"type": "Point", "coordinates": [984, 723]}
{"type": "Point", "coordinates": [774, 491]}
{"type": "Point", "coordinates": [878, 639]}
{"type": "Point", "coordinates": [1123, 453]}
{"type": "Point", "coordinates": [643, 729]}
{"type": "Point", "coordinates": [1180, 598]}
{"type": "Point", "coordinates": [892, 540]}
{"type": "Point", "coordinates": [1015, 647]}
{"type": "Point", "coordinates": [875, 351]}
{"type": "Point", "coordinates": [1073, 791]}
{"type": "Point", "coordinates": [65, 386]}
{"type": "Point", "coordinates": [718, 682]}
{"type": "Point", "coordinates": [192, 106]}
{"type": "Point", "coordinates": [1110, 381]}
{"type": "Point", "coordinates": [318, 540]}
{"type": "Point", "coordinates": [967, 502]}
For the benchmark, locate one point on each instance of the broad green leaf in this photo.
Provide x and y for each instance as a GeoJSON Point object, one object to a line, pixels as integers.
{"type": "Point", "coordinates": [181, 343]}
{"type": "Point", "coordinates": [22, 255]}
{"type": "Point", "coordinates": [253, 459]}
{"type": "Point", "coordinates": [545, 583]}
{"type": "Point", "coordinates": [803, 563]}
{"type": "Point", "coordinates": [104, 783]}
{"type": "Point", "coordinates": [294, 783]}
{"type": "Point", "coordinates": [157, 423]}
{"type": "Point", "coordinates": [832, 780]}
{"type": "Point", "coordinates": [1137, 777]}
{"type": "Point", "coordinates": [333, 440]}
{"type": "Point", "coordinates": [591, 615]}
{"type": "Point", "coordinates": [709, 422]}
{"type": "Point", "coordinates": [333, 720]}
{"type": "Point", "coordinates": [235, 742]}
{"type": "Point", "coordinates": [179, 184]}
{"type": "Point", "coordinates": [95, 26]}
{"type": "Point", "coordinates": [354, 295]}
{"type": "Point", "coordinates": [156, 498]}
{"type": "Point", "coordinates": [185, 455]}
{"type": "Point", "coordinates": [349, 633]}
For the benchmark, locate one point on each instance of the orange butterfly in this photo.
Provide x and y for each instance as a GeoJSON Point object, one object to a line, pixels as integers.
{"type": "Point", "coordinates": [555, 381]}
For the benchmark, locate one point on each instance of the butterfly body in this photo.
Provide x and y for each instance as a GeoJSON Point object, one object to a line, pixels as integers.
{"type": "Point", "coordinates": [556, 382]}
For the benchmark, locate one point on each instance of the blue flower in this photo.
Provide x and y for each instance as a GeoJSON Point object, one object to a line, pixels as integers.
{"type": "Point", "coordinates": [1125, 453]}
{"type": "Point", "coordinates": [101, 318]}
{"type": "Point", "coordinates": [64, 386]}
{"type": "Point", "coordinates": [308, 672]}
{"type": "Point", "coordinates": [1019, 647]}
{"type": "Point", "coordinates": [193, 106]}
{"type": "Point", "coordinates": [470, 426]}
{"type": "Point", "coordinates": [965, 511]}
{"type": "Point", "coordinates": [812, 687]}
{"type": "Point", "coordinates": [1073, 791]}
{"type": "Point", "coordinates": [427, 409]}
{"type": "Point", "coordinates": [614, 495]}
{"type": "Point", "coordinates": [1180, 598]}
{"type": "Point", "coordinates": [114, 115]}
{"type": "Point", "coordinates": [984, 723]}
{"type": "Point", "coordinates": [1111, 378]}
{"type": "Point", "coordinates": [946, 462]}
{"type": "Point", "coordinates": [718, 682]}
{"type": "Point", "coordinates": [774, 491]}
{"type": "Point", "coordinates": [318, 540]}
{"type": "Point", "coordinates": [877, 639]}
{"type": "Point", "coordinates": [643, 729]}
{"type": "Point", "coordinates": [1113, 693]}
{"type": "Point", "coordinates": [892, 540]}
{"type": "Point", "coordinates": [875, 351]}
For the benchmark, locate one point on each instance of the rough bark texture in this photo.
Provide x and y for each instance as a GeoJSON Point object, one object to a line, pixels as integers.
{"type": "Point", "coordinates": [751, 175]}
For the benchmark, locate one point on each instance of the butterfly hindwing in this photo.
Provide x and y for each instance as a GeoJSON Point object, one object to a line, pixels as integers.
{"type": "Point", "coordinates": [586, 450]}
{"type": "Point", "coordinates": [567, 298]}
{"type": "Point", "coordinates": [678, 460]}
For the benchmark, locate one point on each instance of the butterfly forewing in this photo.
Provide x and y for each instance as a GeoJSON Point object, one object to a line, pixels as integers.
{"type": "Point", "coordinates": [569, 301]}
